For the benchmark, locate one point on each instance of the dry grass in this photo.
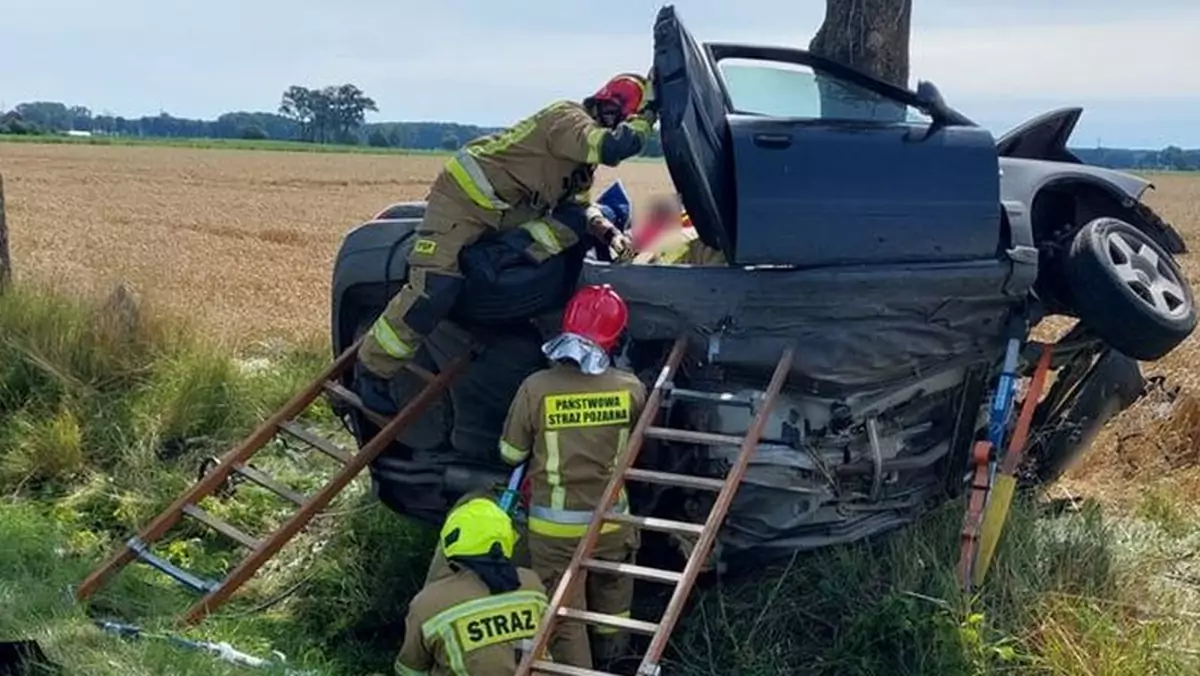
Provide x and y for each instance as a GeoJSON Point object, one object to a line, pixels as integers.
{"type": "Point", "coordinates": [243, 241]}
{"type": "Point", "coordinates": [1155, 446]}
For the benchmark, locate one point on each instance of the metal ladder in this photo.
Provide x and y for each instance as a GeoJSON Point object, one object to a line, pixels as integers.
{"type": "Point", "coordinates": [236, 462]}
{"type": "Point", "coordinates": [659, 632]}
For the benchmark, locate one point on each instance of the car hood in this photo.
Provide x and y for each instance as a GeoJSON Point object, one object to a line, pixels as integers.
{"type": "Point", "coordinates": [1044, 137]}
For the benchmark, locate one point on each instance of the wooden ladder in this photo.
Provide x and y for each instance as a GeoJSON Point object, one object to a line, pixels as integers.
{"type": "Point", "coordinates": [659, 632]}
{"type": "Point", "coordinates": [236, 462]}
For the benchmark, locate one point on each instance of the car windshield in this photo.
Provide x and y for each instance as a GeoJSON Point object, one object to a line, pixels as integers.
{"type": "Point", "coordinates": [779, 89]}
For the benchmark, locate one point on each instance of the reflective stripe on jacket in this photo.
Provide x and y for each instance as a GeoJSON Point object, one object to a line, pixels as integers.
{"type": "Point", "coordinates": [543, 160]}
{"type": "Point", "coordinates": [575, 426]}
{"type": "Point", "coordinates": [455, 627]}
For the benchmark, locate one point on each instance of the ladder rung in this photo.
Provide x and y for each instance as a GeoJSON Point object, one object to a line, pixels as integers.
{"type": "Point", "coordinates": [691, 437]}
{"type": "Point", "coordinates": [661, 525]}
{"type": "Point", "coordinates": [323, 445]}
{"type": "Point", "coordinates": [678, 480]}
{"type": "Point", "coordinates": [724, 398]}
{"type": "Point", "coordinates": [183, 577]}
{"type": "Point", "coordinates": [639, 572]}
{"type": "Point", "coordinates": [337, 391]}
{"type": "Point", "coordinates": [220, 526]}
{"type": "Point", "coordinates": [270, 484]}
{"type": "Point", "coordinates": [421, 373]}
{"type": "Point", "coordinates": [624, 623]}
{"type": "Point", "coordinates": [543, 667]}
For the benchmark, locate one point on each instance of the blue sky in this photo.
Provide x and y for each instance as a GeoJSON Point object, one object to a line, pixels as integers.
{"type": "Point", "coordinates": [1134, 65]}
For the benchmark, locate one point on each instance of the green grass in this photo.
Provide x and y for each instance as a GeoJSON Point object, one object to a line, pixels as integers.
{"type": "Point", "coordinates": [102, 424]}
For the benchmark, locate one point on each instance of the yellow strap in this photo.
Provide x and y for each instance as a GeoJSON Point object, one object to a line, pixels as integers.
{"type": "Point", "coordinates": [543, 234]}
{"type": "Point", "coordinates": [386, 336]}
{"type": "Point", "coordinates": [511, 454]}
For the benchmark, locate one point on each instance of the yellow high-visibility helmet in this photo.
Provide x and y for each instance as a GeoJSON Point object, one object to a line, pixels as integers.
{"type": "Point", "coordinates": [475, 527]}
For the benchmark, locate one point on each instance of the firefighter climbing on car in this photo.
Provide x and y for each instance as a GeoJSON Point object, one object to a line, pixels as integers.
{"type": "Point", "coordinates": [570, 422]}
{"type": "Point", "coordinates": [512, 179]}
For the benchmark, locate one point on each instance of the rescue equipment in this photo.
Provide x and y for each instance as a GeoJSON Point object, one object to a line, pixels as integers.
{"type": "Point", "coordinates": [706, 533]}
{"type": "Point", "coordinates": [236, 462]}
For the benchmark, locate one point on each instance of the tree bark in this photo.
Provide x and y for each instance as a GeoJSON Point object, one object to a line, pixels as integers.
{"type": "Point", "coordinates": [868, 35]}
{"type": "Point", "coordinates": [5, 258]}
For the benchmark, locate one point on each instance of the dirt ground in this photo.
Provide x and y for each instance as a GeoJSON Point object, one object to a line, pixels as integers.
{"type": "Point", "coordinates": [243, 242]}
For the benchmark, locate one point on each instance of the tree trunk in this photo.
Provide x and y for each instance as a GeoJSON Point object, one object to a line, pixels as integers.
{"type": "Point", "coordinates": [868, 35]}
{"type": "Point", "coordinates": [5, 259]}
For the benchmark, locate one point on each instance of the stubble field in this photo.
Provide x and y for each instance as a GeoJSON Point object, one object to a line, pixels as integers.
{"type": "Point", "coordinates": [242, 243]}
{"type": "Point", "coordinates": [99, 430]}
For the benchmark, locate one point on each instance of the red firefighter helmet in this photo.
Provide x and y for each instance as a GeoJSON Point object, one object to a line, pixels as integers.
{"type": "Point", "coordinates": [597, 313]}
{"type": "Point", "coordinates": [627, 91]}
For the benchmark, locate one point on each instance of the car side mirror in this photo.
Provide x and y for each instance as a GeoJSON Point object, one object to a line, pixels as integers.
{"type": "Point", "coordinates": [930, 97]}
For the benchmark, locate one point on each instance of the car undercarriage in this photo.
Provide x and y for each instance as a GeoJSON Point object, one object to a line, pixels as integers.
{"type": "Point", "coordinates": [899, 278]}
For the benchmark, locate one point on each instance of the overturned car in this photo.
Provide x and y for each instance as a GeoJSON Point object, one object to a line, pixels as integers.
{"type": "Point", "coordinates": [895, 243]}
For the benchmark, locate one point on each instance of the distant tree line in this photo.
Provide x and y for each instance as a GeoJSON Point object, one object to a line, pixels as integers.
{"type": "Point", "coordinates": [333, 114]}
{"type": "Point", "coordinates": [336, 114]}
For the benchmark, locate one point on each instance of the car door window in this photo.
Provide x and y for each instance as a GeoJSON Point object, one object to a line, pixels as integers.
{"type": "Point", "coordinates": [788, 90]}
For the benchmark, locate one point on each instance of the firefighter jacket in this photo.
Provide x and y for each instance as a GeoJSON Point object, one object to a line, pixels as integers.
{"type": "Point", "coordinates": [455, 627]}
{"type": "Point", "coordinates": [575, 426]}
{"type": "Point", "coordinates": [521, 173]}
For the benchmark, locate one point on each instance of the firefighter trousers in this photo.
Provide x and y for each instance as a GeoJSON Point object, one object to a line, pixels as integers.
{"type": "Point", "coordinates": [435, 280]}
{"type": "Point", "coordinates": [597, 592]}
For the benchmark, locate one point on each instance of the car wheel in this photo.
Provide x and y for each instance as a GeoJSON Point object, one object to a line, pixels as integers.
{"type": "Point", "coordinates": [1128, 290]}
{"type": "Point", "coordinates": [501, 286]}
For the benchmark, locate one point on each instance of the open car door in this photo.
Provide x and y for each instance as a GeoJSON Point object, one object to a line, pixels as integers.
{"type": "Point", "coordinates": [695, 135]}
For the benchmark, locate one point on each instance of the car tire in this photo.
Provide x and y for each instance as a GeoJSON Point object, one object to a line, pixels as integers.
{"type": "Point", "coordinates": [1128, 290]}
{"type": "Point", "coordinates": [1162, 232]}
{"type": "Point", "coordinates": [516, 291]}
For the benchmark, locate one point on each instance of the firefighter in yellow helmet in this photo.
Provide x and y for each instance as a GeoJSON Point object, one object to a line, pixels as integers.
{"type": "Point", "coordinates": [477, 620]}
{"type": "Point", "coordinates": [508, 180]}
{"type": "Point", "coordinates": [571, 422]}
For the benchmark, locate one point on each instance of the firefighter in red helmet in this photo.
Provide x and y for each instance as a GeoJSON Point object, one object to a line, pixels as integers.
{"type": "Point", "coordinates": [510, 180]}
{"type": "Point", "coordinates": [570, 422]}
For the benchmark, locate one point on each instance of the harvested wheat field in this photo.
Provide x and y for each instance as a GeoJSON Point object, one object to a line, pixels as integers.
{"type": "Point", "coordinates": [243, 241]}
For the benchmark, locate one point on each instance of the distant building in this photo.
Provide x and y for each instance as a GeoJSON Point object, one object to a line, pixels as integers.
{"type": "Point", "coordinates": [74, 132]}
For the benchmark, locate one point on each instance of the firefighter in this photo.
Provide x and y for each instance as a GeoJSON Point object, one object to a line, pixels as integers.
{"type": "Point", "coordinates": [477, 619]}
{"type": "Point", "coordinates": [571, 421]}
{"type": "Point", "coordinates": [509, 180]}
